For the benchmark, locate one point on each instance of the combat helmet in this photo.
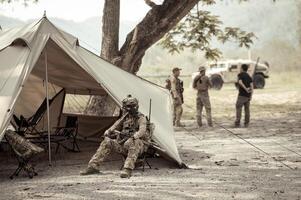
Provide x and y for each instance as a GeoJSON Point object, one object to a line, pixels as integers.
{"type": "Point", "coordinates": [130, 104]}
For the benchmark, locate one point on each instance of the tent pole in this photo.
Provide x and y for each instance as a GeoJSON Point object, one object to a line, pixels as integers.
{"type": "Point", "coordinates": [48, 113]}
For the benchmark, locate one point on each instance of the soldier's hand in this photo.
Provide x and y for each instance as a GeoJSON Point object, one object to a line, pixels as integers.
{"type": "Point", "coordinates": [136, 137]}
{"type": "Point", "coordinates": [249, 90]}
{"type": "Point", "coordinates": [107, 133]}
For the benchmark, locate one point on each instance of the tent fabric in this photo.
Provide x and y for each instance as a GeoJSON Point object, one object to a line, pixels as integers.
{"type": "Point", "coordinates": [55, 109]}
{"type": "Point", "coordinates": [74, 68]}
{"type": "Point", "coordinates": [89, 127]}
{"type": "Point", "coordinates": [33, 91]}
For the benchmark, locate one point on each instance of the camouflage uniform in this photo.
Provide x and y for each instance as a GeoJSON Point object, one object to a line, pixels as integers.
{"type": "Point", "coordinates": [202, 84]}
{"type": "Point", "coordinates": [131, 147]}
{"type": "Point", "coordinates": [25, 148]}
{"type": "Point", "coordinates": [177, 94]}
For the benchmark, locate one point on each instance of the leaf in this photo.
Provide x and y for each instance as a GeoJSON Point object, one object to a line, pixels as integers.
{"type": "Point", "coordinates": [197, 30]}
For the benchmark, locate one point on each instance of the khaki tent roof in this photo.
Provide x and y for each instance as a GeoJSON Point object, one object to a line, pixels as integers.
{"type": "Point", "coordinates": [22, 53]}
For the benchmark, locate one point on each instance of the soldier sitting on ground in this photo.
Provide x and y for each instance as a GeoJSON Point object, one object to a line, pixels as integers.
{"type": "Point", "coordinates": [130, 136]}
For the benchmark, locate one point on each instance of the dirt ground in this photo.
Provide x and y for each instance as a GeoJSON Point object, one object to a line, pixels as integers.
{"type": "Point", "coordinates": [222, 164]}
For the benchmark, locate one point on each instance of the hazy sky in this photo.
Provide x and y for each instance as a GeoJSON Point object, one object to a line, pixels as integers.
{"type": "Point", "coordinates": [77, 10]}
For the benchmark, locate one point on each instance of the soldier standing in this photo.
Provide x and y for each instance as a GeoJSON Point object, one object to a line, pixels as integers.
{"type": "Point", "coordinates": [202, 83]}
{"type": "Point", "coordinates": [128, 136]}
{"type": "Point", "coordinates": [177, 89]}
{"type": "Point", "coordinates": [245, 87]}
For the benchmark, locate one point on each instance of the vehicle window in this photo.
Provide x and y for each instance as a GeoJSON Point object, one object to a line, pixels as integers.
{"type": "Point", "coordinates": [233, 68]}
{"type": "Point", "coordinates": [222, 65]}
{"type": "Point", "coordinates": [214, 66]}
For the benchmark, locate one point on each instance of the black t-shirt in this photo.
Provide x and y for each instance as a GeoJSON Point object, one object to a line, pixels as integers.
{"type": "Point", "coordinates": [247, 80]}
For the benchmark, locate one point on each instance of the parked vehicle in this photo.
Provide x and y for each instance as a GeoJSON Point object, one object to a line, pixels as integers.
{"type": "Point", "coordinates": [221, 72]}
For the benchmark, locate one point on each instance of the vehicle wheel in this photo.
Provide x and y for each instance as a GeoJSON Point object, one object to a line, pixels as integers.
{"type": "Point", "coordinates": [217, 82]}
{"type": "Point", "coordinates": [259, 81]}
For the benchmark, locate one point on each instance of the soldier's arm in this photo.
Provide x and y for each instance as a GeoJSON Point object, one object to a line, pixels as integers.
{"type": "Point", "coordinates": [195, 80]}
{"type": "Point", "coordinates": [142, 128]}
{"type": "Point", "coordinates": [209, 82]}
{"type": "Point", "coordinates": [243, 85]}
{"type": "Point", "coordinates": [116, 126]}
{"type": "Point", "coordinates": [173, 90]}
{"type": "Point", "coordinates": [240, 83]}
{"type": "Point", "coordinates": [252, 89]}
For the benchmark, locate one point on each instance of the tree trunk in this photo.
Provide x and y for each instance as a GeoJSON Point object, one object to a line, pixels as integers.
{"type": "Point", "coordinates": [104, 105]}
{"type": "Point", "coordinates": [299, 21]}
{"type": "Point", "coordinates": [158, 21]}
{"type": "Point", "coordinates": [110, 29]}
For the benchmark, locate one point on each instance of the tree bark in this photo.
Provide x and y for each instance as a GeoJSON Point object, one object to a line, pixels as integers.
{"type": "Point", "coordinates": [158, 21]}
{"type": "Point", "coordinates": [299, 21]}
{"type": "Point", "coordinates": [104, 105]}
{"type": "Point", "coordinates": [110, 29]}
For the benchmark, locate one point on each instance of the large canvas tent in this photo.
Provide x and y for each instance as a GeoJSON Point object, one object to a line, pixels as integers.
{"type": "Point", "coordinates": [40, 55]}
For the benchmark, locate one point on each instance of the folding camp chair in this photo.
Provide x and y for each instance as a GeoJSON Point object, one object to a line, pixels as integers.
{"type": "Point", "coordinates": [24, 151]}
{"type": "Point", "coordinates": [142, 160]}
{"type": "Point", "coordinates": [67, 133]}
{"type": "Point", "coordinates": [28, 126]}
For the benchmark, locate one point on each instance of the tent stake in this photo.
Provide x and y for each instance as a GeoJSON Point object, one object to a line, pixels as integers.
{"type": "Point", "coordinates": [48, 113]}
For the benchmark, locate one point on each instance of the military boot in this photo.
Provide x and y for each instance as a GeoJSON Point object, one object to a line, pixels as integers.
{"type": "Point", "coordinates": [199, 123]}
{"type": "Point", "coordinates": [89, 170]}
{"type": "Point", "coordinates": [126, 173]}
{"type": "Point", "coordinates": [236, 125]}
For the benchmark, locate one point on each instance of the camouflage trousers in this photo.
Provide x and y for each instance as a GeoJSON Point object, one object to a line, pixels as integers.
{"type": "Point", "coordinates": [242, 102]}
{"type": "Point", "coordinates": [132, 148]}
{"type": "Point", "coordinates": [177, 111]}
{"type": "Point", "coordinates": [203, 100]}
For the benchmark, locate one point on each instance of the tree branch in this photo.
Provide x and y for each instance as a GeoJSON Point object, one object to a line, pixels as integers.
{"type": "Point", "coordinates": [157, 22]}
{"type": "Point", "coordinates": [150, 3]}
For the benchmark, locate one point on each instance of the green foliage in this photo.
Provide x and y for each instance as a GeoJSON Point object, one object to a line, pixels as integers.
{"type": "Point", "coordinates": [198, 29]}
